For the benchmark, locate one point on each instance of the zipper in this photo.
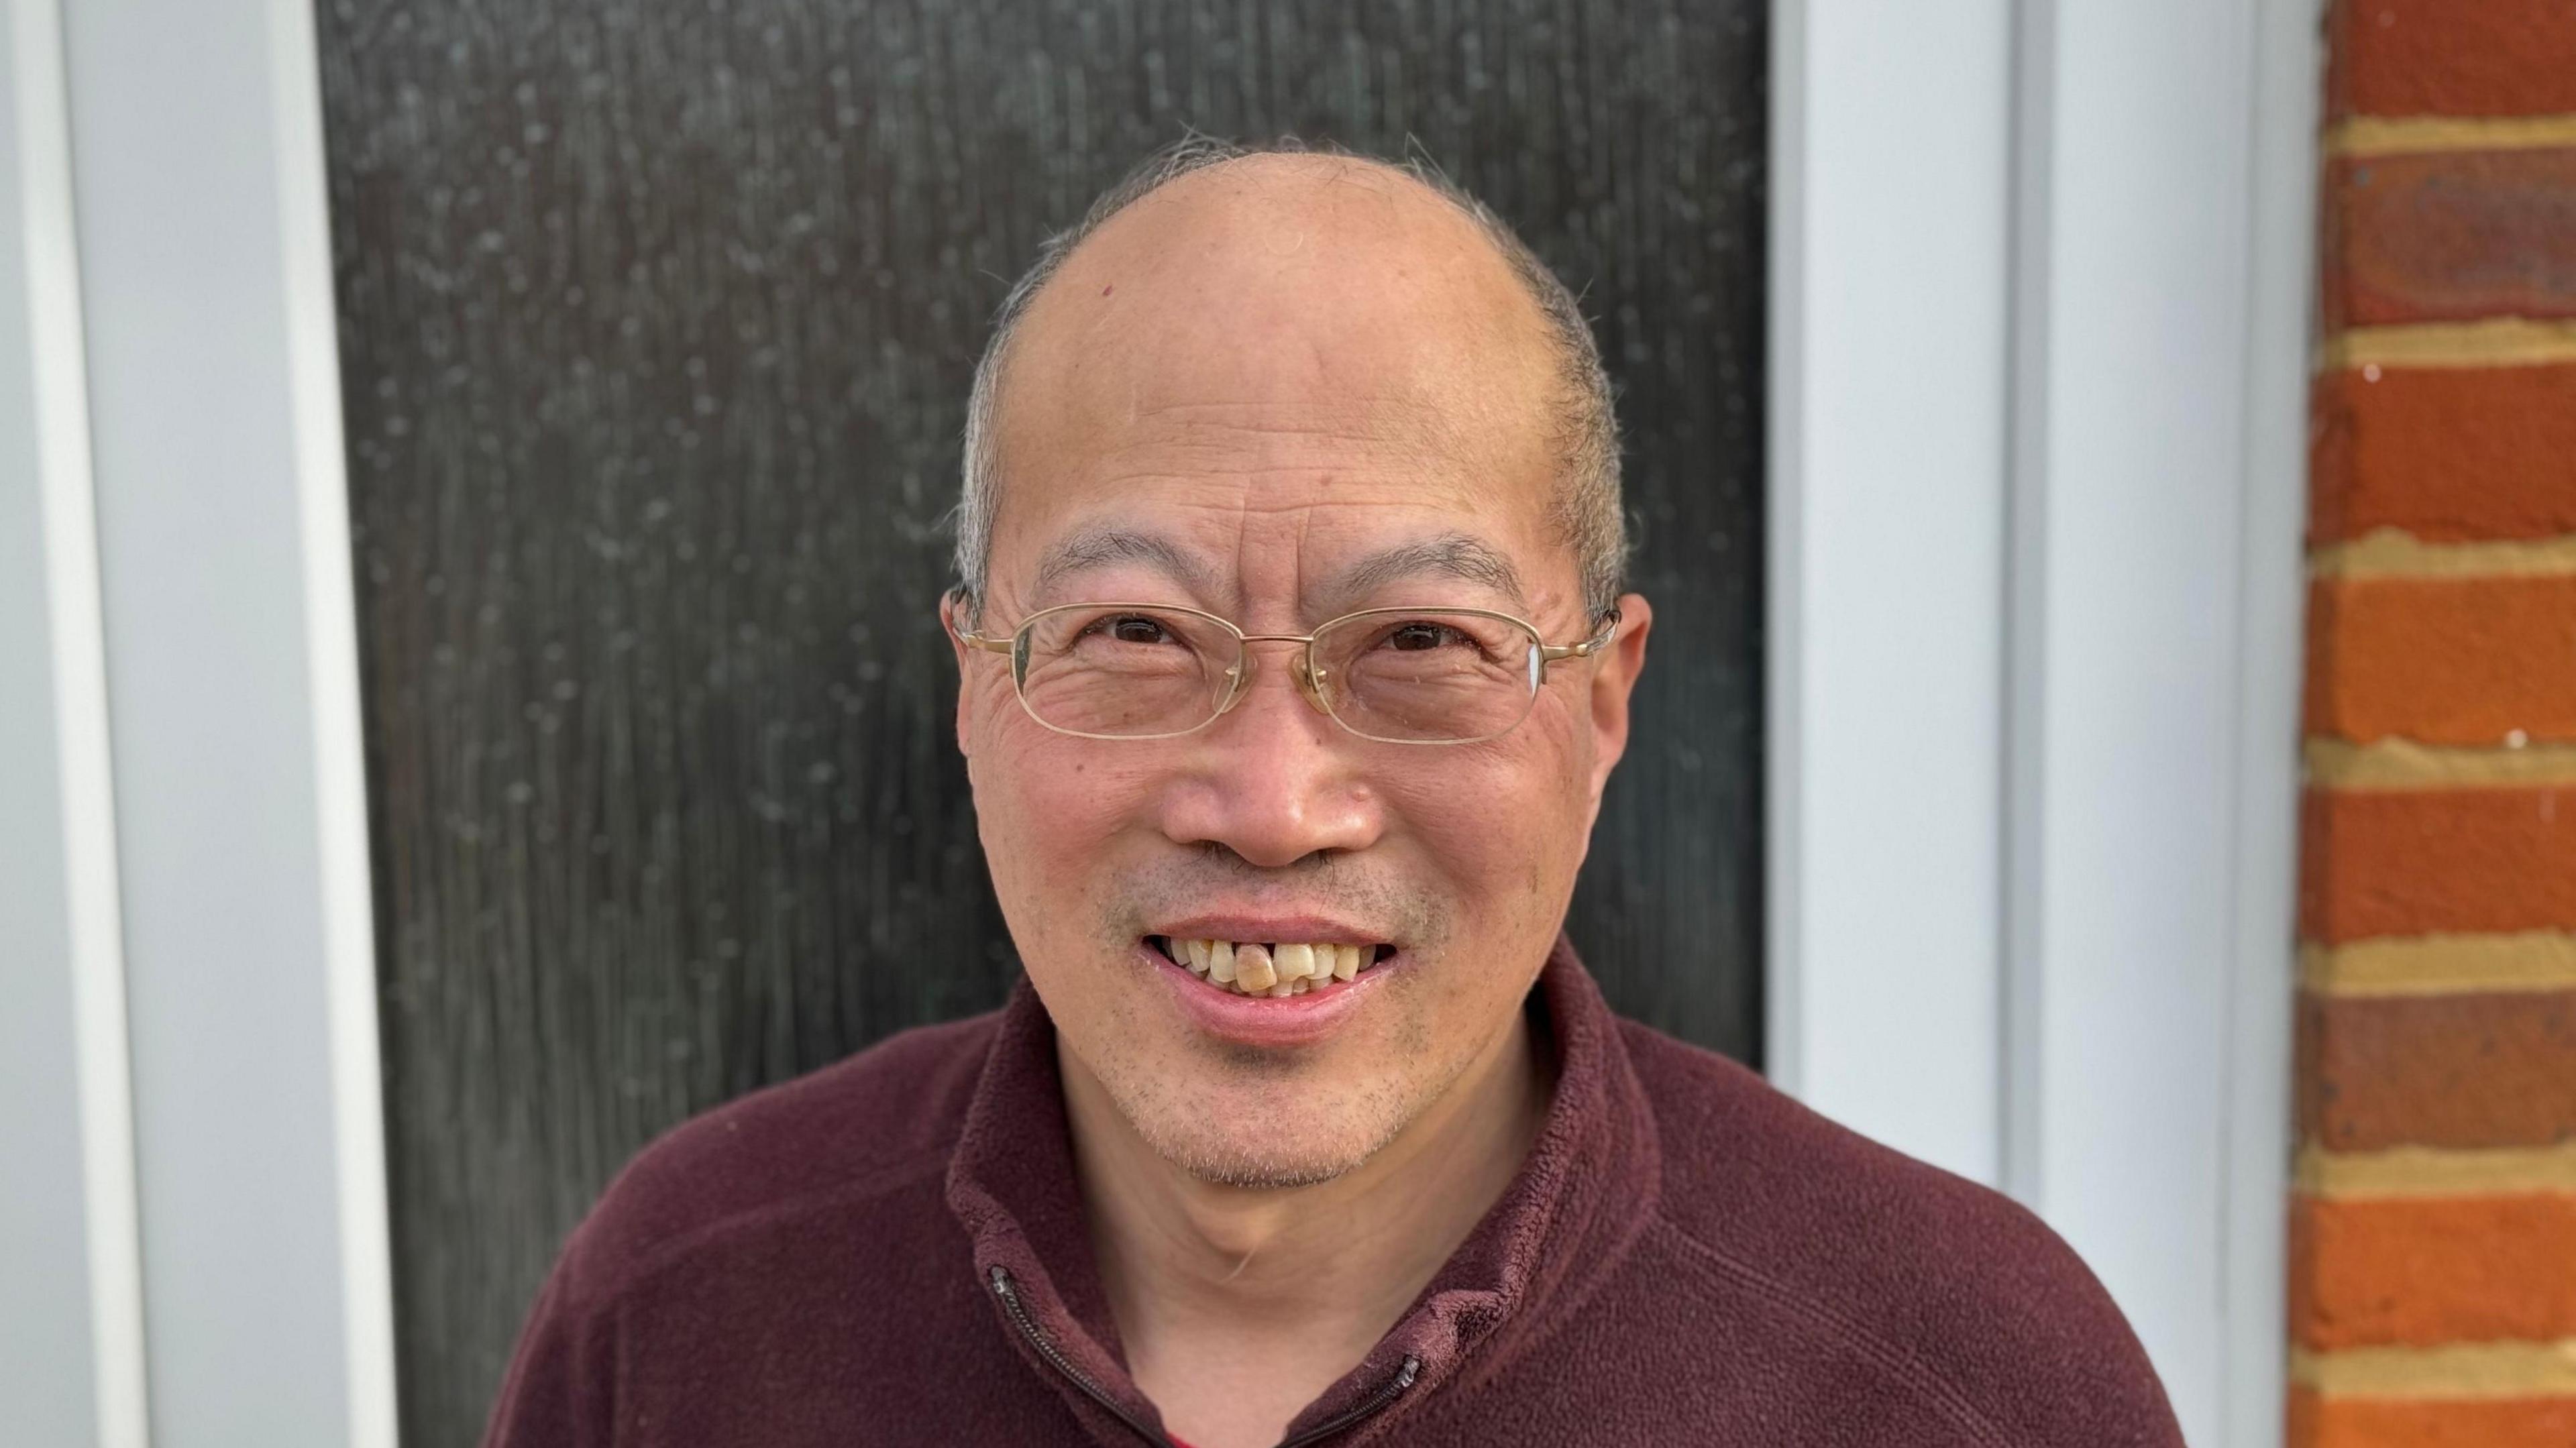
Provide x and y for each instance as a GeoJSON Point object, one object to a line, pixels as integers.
{"type": "Point", "coordinates": [1009, 1292]}
{"type": "Point", "coordinates": [1386, 1393]}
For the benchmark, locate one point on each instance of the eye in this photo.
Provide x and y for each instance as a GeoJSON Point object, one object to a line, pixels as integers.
{"type": "Point", "coordinates": [1422, 634]}
{"type": "Point", "coordinates": [1132, 628]}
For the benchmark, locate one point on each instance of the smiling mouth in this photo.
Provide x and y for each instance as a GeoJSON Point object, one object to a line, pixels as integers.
{"type": "Point", "coordinates": [1269, 968]}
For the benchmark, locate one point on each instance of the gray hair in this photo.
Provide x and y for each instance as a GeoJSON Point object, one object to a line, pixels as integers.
{"type": "Point", "coordinates": [1588, 509]}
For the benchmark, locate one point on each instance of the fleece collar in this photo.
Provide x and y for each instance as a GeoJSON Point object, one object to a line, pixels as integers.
{"type": "Point", "coordinates": [1587, 1187]}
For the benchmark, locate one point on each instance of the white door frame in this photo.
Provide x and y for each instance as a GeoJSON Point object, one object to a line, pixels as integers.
{"type": "Point", "coordinates": [2040, 321]}
{"type": "Point", "coordinates": [71, 1296]}
{"type": "Point", "coordinates": [209, 929]}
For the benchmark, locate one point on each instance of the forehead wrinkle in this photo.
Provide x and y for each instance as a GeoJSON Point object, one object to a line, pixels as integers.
{"type": "Point", "coordinates": [1290, 461]}
{"type": "Point", "coordinates": [1359, 419]}
{"type": "Point", "coordinates": [1348, 430]}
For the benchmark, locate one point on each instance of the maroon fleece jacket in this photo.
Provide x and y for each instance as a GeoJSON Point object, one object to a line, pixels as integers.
{"type": "Point", "coordinates": [892, 1250]}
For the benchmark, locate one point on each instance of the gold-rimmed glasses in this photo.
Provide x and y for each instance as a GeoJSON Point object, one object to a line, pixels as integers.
{"type": "Point", "coordinates": [1396, 675]}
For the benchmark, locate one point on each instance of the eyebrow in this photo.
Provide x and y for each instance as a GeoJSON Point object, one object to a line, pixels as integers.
{"type": "Point", "coordinates": [1449, 555]}
{"type": "Point", "coordinates": [1099, 547]}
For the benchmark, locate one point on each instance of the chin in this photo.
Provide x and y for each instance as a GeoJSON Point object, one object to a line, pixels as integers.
{"type": "Point", "coordinates": [1267, 1147]}
{"type": "Point", "coordinates": [1251, 1166]}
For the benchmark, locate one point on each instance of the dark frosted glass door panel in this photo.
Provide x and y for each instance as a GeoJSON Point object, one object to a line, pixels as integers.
{"type": "Point", "coordinates": [656, 325]}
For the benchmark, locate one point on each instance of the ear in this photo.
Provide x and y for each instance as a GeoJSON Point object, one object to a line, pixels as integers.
{"type": "Point", "coordinates": [949, 623]}
{"type": "Point", "coordinates": [1613, 678]}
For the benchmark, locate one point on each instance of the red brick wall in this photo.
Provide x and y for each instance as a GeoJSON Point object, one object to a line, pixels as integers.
{"type": "Point", "coordinates": [2433, 1236]}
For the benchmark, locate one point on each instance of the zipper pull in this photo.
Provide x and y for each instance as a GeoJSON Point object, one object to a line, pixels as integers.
{"type": "Point", "coordinates": [1375, 1402]}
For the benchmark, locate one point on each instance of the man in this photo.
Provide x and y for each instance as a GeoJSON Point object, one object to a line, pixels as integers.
{"type": "Point", "coordinates": [1293, 664]}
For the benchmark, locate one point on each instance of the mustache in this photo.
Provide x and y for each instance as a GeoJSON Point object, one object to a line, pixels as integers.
{"type": "Point", "coordinates": [1402, 910]}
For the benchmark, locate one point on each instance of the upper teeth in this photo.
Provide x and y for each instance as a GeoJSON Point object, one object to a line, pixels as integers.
{"type": "Point", "coordinates": [1291, 967]}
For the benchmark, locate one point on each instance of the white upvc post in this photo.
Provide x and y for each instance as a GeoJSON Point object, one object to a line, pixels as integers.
{"type": "Point", "coordinates": [231, 686]}
{"type": "Point", "coordinates": [71, 1306]}
{"type": "Point", "coordinates": [2258, 1134]}
{"type": "Point", "coordinates": [1890, 312]}
{"type": "Point", "coordinates": [2077, 987]}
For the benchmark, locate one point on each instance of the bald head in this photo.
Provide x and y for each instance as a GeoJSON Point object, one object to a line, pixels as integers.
{"type": "Point", "coordinates": [1328, 293]}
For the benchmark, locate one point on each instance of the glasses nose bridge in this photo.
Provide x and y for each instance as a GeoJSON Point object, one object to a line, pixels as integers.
{"type": "Point", "coordinates": [1301, 669]}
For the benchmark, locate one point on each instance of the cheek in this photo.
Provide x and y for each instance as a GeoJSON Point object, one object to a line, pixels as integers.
{"type": "Point", "coordinates": [1048, 805]}
{"type": "Point", "coordinates": [1502, 822]}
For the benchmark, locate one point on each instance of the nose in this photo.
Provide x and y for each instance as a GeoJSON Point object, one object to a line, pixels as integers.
{"type": "Point", "coordinates": [1274, 779]}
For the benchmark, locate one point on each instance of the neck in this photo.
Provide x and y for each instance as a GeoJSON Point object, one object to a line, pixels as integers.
{"type": "Point", "coordinates": [1289, 1286]}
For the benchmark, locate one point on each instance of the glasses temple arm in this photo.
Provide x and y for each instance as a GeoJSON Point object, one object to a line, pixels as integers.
{"type": "Point", "coordinates": [1551, 653]}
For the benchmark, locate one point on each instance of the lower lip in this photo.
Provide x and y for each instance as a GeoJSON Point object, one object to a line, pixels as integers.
{"type": "Point", "coordinates": [1263, 1020]}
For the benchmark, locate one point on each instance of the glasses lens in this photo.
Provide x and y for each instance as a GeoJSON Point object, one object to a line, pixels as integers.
{"type": "Point", "coordinates": [1124, 671]}
{"type": "Point", "coordinates": [1429, 676]}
